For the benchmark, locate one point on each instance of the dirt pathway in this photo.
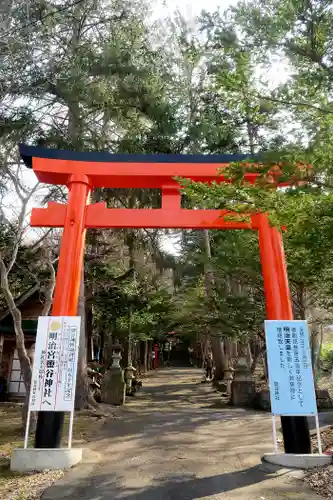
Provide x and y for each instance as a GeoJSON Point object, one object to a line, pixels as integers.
{"type": "Point", "coordinates": [175, 442]}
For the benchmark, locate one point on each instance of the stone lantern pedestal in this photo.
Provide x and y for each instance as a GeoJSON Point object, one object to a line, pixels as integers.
{"type": "Point", "coordinates": [113, 386]}
{"type": "Point", "coordinates": [228, 378]}
{"type": "Point", "coordinates": [243, 388]}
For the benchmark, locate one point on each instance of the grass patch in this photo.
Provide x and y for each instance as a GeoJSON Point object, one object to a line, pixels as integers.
{"type": "Point", "coordinates": [10, 427]}
{"type": "Point", "coordinates": [12, 433]}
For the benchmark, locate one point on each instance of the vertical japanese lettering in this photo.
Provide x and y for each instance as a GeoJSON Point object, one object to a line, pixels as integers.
{"type": "Point", "coordinates": [54, 370]}
{"type": "Point", "coordinates": [281, 347]}
{"type": "Point", "coordinates": [289, 366]}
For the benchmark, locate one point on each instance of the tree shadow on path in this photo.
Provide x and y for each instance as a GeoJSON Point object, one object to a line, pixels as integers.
{"type": "Point", "coordinates": [172, 443]}
{"type": "Point", "coordinates": [176, 487]}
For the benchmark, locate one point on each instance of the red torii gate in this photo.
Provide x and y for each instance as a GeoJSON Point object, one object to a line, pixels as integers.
{"type": "Point", "coordinates": [82, 172]}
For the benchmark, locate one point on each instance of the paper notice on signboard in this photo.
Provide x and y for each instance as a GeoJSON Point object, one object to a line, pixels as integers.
{"type": "Point", "coordinates": [290, 372]}
{"type": "Point", "coordinates": [55, 364]}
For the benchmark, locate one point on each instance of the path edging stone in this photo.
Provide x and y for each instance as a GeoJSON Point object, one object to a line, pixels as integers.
{"type": "Point", "coordinates": [299, 461]}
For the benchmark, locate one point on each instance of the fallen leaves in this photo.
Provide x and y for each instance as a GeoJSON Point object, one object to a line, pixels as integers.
{"type": "Point", "coordinates": [321, 481]}
{"type": "Point", "coordinates": [14, 486]}
{"type": "Point", "coordinates": [27, 486]}
{"type": "Point", "coordinates": [326, 440]}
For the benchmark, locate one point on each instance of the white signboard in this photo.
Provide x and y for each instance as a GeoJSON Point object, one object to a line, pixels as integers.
{"type": "Point", "coordinates": [289, 368]}
{"type": "Point", "coordinates": [55, 364]}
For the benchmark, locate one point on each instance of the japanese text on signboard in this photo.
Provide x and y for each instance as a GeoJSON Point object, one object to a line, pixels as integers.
{"type": "Point", "coordinates": [289, 367]}
{"type": "Point", "coordinates": [55, 363]}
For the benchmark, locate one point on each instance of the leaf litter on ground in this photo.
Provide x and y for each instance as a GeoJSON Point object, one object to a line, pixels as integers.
{"type": "Point", "coordinates": [30, 486]}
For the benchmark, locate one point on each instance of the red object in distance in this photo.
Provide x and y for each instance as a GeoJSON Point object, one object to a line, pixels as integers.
{"type": "Point", "coordinates": [156, 350]}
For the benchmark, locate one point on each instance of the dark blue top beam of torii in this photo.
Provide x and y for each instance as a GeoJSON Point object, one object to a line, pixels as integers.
{"type": "Point", "coordinates": [29, 152]}
{"type": "Point", "coordinates": [110, 170]}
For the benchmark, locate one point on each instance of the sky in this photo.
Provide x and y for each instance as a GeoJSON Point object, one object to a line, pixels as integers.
{"type": "Point", "coordinates": [194, 7]}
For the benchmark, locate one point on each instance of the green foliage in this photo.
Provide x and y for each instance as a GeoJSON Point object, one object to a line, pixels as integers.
{"type": "Point", "coordinates": [123, 305]}
{"type": "Point", "coordinates": [234, 308]}
{"type": "Point", "coordinates": [326, 356]}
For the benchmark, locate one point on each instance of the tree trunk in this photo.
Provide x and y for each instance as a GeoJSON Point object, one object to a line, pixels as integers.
{"type": "Point", "coordinates": [300, 304]}
{"type": "Point", "coordinates": [130, 338]}
{"type": "Point", "coordinates": [234, 349]}
{"type": "Point", "coordinates": [217, 345]}
{"type": "Point", "coordinates": [149, 357]}
{"type": "Point", "coordinates": [145, 358]}
{"type": "Point", "coordinates": [265, 363]}
{"type": "Point", "coordinates": [101, 348]}
{"type": "Point", "coordinates": [256, 356]}
{"type": "Point", "coordinates": [33, 415]}
{"type": "Point", "coordinates": [124, 358]}
{"type": "Point", "coordinates": [249, 357]}
{"type": "Point", "coordinates": [89, 330]}
{"type": "Point", "coordinates": [219, 357]}
{"type": "Point", "coordinates": [204, 344]}
{"type": "Point", "coordinates": [315, 350]}
{"type": "Point", "coordinates": [227, 345]}
{"type": "Point", "coordinates": [317, 360]}
{"type": "Point", "coordinates": [249, 125]}
{"type": "Point", "coordinates": [74, 114]}
{"type": "Point", "coordinates": [27, 373]}
{"type": "Point", "coordinates": [82, 384]}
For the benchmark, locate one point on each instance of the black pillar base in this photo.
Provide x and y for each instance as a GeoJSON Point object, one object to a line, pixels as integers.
{"type": "Point", "coordinates": [296, 435]}
{"type": "Point", "coordinates": [49, 429]}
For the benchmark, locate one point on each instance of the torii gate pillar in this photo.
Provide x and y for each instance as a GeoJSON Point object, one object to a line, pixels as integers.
{"type": "Point", "coordinates": [65, 302]}
{"type": "Point", "coordinates": [295, 430]}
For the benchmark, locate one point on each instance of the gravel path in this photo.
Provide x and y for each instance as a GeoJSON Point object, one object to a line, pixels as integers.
{"type": "Point", "coordinates": [175, 441]}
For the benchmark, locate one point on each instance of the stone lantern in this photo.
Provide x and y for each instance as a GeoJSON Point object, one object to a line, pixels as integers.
{"type": "Point", "coordinates": [228, 378]}
{"type": "Point", "coordinates": [113, 386]}
{"type": "Point", "coordinates": [243, 388]}
{"type": "Point", "coordinates": [129, 376]}
{"type": "Point", "coordinates": [116, 356]}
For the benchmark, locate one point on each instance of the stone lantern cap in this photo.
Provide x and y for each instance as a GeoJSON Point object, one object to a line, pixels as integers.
{"type": "Point", "coordinates": [117, 348]}
{"type": "Point", "coordinates": [129, 371]}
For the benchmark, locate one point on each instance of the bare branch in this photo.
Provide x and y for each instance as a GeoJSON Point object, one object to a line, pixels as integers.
{"type": "Point", "coordinates": [297, 103]}
{"type": "Point", "coordinates": [18, 237]}
{"type": "Point", "coordinates": [20, 228]}
{"type": "Point", "coordinates": [16, 183]}
{"type": "Point", "coordinates": [15, 312]}
{"type": "Point", "coordinates": [41, 239]}
{"type": "Point", "coordinates": [51, 286]}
